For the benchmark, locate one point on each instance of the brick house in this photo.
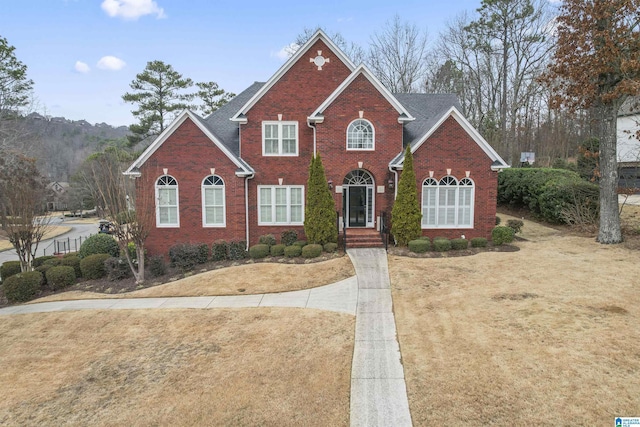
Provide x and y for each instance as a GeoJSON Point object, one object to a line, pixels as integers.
{"type": "Point", "coordinates": [241, 172]}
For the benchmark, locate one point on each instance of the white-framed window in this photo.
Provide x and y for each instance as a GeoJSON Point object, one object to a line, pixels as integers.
{"type": "Point", "coordinates": [279, 138]}
{"type": "Point", "coordinates": [167, 212]}
{"type": "Point", "coordinates": [213, 202]}
{"type": "Point", "coordinates": [281, 205]}
{"type": "Point", "coordinates": [360, 135]}
{"type": "Point", "coordinates": [447, 203]}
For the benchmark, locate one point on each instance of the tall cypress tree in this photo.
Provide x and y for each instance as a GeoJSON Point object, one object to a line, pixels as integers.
{"type": "Point", "coordinates": [406, 214]}
{"type": "Point", "coordinates": [320, 209]}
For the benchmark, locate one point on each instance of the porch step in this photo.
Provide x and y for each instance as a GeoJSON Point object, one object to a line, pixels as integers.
{"type": "Point", "coordinates": [363, 238]}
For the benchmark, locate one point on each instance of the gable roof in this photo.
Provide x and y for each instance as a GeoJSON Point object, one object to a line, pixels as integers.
{"type": "Point", "coordinates": [134, 169]}
{"type": "Point", "coordinates": [404, 115]}
{"type": "Point", "coordinates": [239, 116]}
{"type": "Point", "coordinates": [431, 111]}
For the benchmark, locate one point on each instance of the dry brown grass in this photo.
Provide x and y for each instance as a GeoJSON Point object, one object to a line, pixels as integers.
{"type": "Point", "coordinates": [549, 335]}
{"type": "Point", "coordinates": [241, 280]}
{"type": "Point", "coordinates": [246, 367]}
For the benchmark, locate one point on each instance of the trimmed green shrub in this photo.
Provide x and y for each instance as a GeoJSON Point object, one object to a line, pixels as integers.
{"type": "Point", "coordinates": [60, 277]}
{"type": "Point", "coordinates": [157, 266]}
{"type": "Point", "coordinates": [73, 261]}
{"type": "Point", "coordinates": [185, 256]}
{"type": "Point", "coordinates": [441, 245]}
{"type": "Point", "coordinates": [267, 239]}
{"type": "Point", "coordinates": [292, 251]}
{"type": "Point", "coordinates": [288, 237]}
{"type": "Point", "coordinates": [219, 250]}
{"type": "Point", "coordinates": [53, 262]}
{"type": "Point", "coordinates": [424, 238]}
{"type": "Point", "coordinates": [22, 287]}
{"type": "Point", "coordinates": [312, 250]}
{"type": "Point", "coordinates": [117, 268]}
{"type": "Point", "coordinates": [406, 213]}
{"type": "Point", "coordinates": [516, 224]}
{"type": "Point", "coordinates": [479, 242]}
{"type": "Point", "coordinates": [99, 244]}
{"type": "Point", "coordinates": [419, 246]}
{"type": "Point", "coordinates": [440, 238]}
{"type": "Point", "coordinates": [203, 253]}
{"type": "Point", "coordinates": [330, 247]}
{"type": "Point", "coordinates": [301, 243]}
{"type": "Point", "coordinates": [37, 262]}
{"type": "Point", "coordinates": [259, 251]}
{"type": "Point", "coordinates": [237, 249]}
{"type": "Point", "coordinates": [320, 207]}
{"type": "Point", "coordinates": [70, 254]}
{"type": "Point", "coordinates": [92, 267]}
{"type": "Point", "coordinates": [459, 244]}
{"type": "Point", "coordinates": [501, 235]}
{"type": "Point", "coordinates": [9, 268]}
{"type": "Point", "coordinates": [43, 269]}
{"type": "Point", "coordinates": [277, 250]}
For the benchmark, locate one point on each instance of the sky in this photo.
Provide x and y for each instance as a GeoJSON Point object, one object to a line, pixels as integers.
{"type": "Point", "coordinates": [83, 54]}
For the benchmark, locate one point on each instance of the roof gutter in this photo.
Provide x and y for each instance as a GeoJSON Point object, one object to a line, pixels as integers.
{"type": "Point", "coordinates": [314, 135]}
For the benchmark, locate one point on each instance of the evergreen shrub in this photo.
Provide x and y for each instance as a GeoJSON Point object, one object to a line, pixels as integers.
{"type": "Point", "coordinates": [237, 249]}
{"type": "Point", "coordinates": [277, 250]}
{"type": "Point", "coordinates": [22, 287]}
{"type": "Point", "coordinates": [320, 207]}
{"type": "Point", "coordinates": [219, 250]}
{"type": "Point", "coordinates": [37, 262]}
{"type": "Point", "coordinates": [516, 224]}
{"type": "Point", "coordinates": [419, 246]}
{"type": "Point", "coordinates": [53, 262]}
{"type": "Point", "coordinates": [43, 270]}
{"type": "Point", "coordinates": [117, 268]}
{"type": "Point", "coordinates": [72, 261]}
{"type": "Point", "coordinates": [479, 242]}
{"type": "Point", "coordinates": [185, 256]}
{"type": "Point", "coordinates": [459, 244]}
{"type": "Point", "coordinates": [92, 266]}
{"type": "Point", "coordinates": [99, 244]}
{"type": "Point", "coordinates": [406, 213]}
{"type": "Point", "coordinates": [301, 243]}
{"type": "Point", "coordinates": [157, 266]}
{"type": "Point", "coordinates": [330, 247]}
{"type": "Point", "coordinates": [9, 268]}
{"type": "Point", "coordinates": [267, 239]}
{"type": "Point", "coordinates": [441, 245]}
{"type": "Point", "coordinates": [60, 277]}
{"type": "Point", "coordinates": [312, 250]}
{"type": "Point", "coordinates": [292, 251]}
{"type": "Point", "coordinates": [259, 251]}
{"type": "Point", "coordinates": [288, 237]}
{"type": "Point", "coordinates": [501, 235]}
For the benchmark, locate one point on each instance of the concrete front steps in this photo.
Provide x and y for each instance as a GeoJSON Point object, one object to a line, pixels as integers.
{"type": "Point", "coordinates": [363, 238]}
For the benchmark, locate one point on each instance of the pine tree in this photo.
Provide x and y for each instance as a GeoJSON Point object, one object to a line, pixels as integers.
{"type": "Point", "coordinates": [320, 209]}
{"type": "Point", "coordinates": [405, 214]}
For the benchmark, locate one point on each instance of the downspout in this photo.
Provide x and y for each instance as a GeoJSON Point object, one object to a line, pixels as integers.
{"type": "Point", "coordinates": [246, 204]}
{"type": "Point", "coordinates": [395, 182]}
{"type": "Point", "coordinates": [314, 136]}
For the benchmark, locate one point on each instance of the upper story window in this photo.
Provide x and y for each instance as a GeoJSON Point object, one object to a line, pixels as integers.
{"type": "Point", "coordinates": [447, 203]}
{"type": "Point", "coordinates": [279, 138]}
{"type": "Point", "coordinates": [360, 135]}
{"type": "Point", "coordinates": [213, 206]}
{"type": "Point", "coordinates": [167, 212]}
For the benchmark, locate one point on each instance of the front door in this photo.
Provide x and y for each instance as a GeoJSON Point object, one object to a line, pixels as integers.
{"type": "Point", "coordinates": [357, 206]}
{"type": "Point", "coordinates": [357, 199]}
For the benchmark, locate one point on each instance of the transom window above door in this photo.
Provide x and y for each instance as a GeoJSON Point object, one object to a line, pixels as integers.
{"type": "Point", "coordinates": [279, 138]}
{"type": "Point", "coordinates": [360, 135]}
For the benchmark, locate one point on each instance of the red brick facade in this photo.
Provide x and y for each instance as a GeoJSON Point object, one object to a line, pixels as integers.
{"type": "Point", "coordinates": [189, 153]}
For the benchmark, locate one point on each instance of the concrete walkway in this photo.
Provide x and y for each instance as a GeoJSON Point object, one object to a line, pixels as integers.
{"type": "Point", "coordinates": [378, 389]}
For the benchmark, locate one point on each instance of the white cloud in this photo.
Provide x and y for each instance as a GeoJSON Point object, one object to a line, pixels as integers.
{"type": "Point", "coordinates": [81, 67]}
{"type": "Point", "coordinates": [286, 52]}
{"type": "Point", "coordinates": [110, 63]}
{"type": "Point", "coordinates": [132, 9]}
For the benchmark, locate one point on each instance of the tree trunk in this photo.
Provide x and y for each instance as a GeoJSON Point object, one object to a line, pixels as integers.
{"type": "Point", "coordinates": [609, 231]}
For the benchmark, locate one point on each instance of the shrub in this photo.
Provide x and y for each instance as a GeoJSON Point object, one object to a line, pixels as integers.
{"type": "Point", "coordinates": [37, 262]}
{"type": "Point", "coordinates": [292, 251]}
{"type": "Point", "coordinates": [117, 268]}
{"type": "Point", "coordinates": [516, 225]}
{"type": "Point", "coordinates": [498, 220]}
{"type": "Point", "coordinates": [330, 247]}
{"type": "Point", "coordinates": [424, 238]}
{"type": "Point", "coordinates": [73, 261]}
{"type": "Point", "coordinates": [301, 243]}
{"type": "Point", "coordinates": [313, 250]}
{"type": "Point", "coordinates": [419, 246]}
{"type": "Point", "coordinates": [219, 250]}
{"type": "Point", "coordinates": [53, 262]}
{"type": "Point", "coordinates": [501, 235]}
{"type": "Point", "coordinates": [43, 270]}
{"type": "Point", "coordinates": [203, 253]}
{"type": "Point", "coordinates": [99, 244]}
{"type": "Point", "coordinates": [92, 267]}
{"type": "Point", "coordinates": [9, 268]}
{"type": "Point", "coordinates": [237, 249]}
{"type": "Point", "coordinates": [157, 266]}
{"type": "Point", "coordinates": [406, 212]}
{"type": "Point", "coordinates": [459, 244]}
{"type": "Point", "coordinates": [320, 207]}
{"type": "Point", "coordinates": [70, 254]}
{"type": "Point", "coordinates": [60, 277]}
{"type": "Point", "coordinates": [277, 250]}
{"type": "Point", "coordinates": [479, 242]}
{"type": "Point", "coordinates": [259, 251]}
{"type": "Point", "coordinates": [441, 245]}
{"type": "Point", "coordinates": [185, 256]}
{"type": "Point", "coordinates": [267, 239]}
{"type": "Point", "coordinates": [22, 287]}
{"type": "Point", "coordinates": [288, 237]}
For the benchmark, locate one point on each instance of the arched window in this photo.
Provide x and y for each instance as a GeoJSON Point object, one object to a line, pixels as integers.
{"type": "Point", "coordinates": [213, 206]}
{"type": "Point", "coordinates": [447, 203]}
{"type": "Point", "coordinates": [167, 212]}
{"type": "Point", "coordinates": [360, 135]}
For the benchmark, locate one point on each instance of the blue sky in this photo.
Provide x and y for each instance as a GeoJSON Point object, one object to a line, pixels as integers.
{"type": "Point", "coordinates": [82, 54]}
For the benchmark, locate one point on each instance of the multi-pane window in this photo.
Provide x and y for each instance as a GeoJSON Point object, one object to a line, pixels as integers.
{"type": "Point", "coordinates": [447, 203]}
{"type": "Point", "coordinates": [213, 208]}
{"type": "Point", "coordinates": [360, 135]}
{"type": "Point", "coordinates": [167, 202]}
{"type": "Point", "coordinates": [280, 138]}
{"type": "Point", "coordinates": [280, 205]}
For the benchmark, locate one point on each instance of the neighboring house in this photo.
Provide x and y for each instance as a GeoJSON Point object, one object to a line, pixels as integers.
{"type": "Point", "coordinates": [242, 172]}
{"type": "Point", "coordinates": [628, 147]}
{"type": "Point", "coordinates": [58, 196]}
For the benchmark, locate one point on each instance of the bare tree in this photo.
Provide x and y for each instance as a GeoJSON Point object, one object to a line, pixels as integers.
{"type": "Point", "coordinates": [353, 51]}
{"type": "Point", "coordinates": [398, 56]}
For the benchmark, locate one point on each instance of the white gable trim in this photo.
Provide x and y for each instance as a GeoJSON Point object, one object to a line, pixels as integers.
{"type": "Point", "coordinates": [319, 35]}
{"type": "Point", "coordinates": [405, 116]}
{"type": "Point", "coordinates": [473, 133]}
{"type": "Point", "coordinates": [133, 170]}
